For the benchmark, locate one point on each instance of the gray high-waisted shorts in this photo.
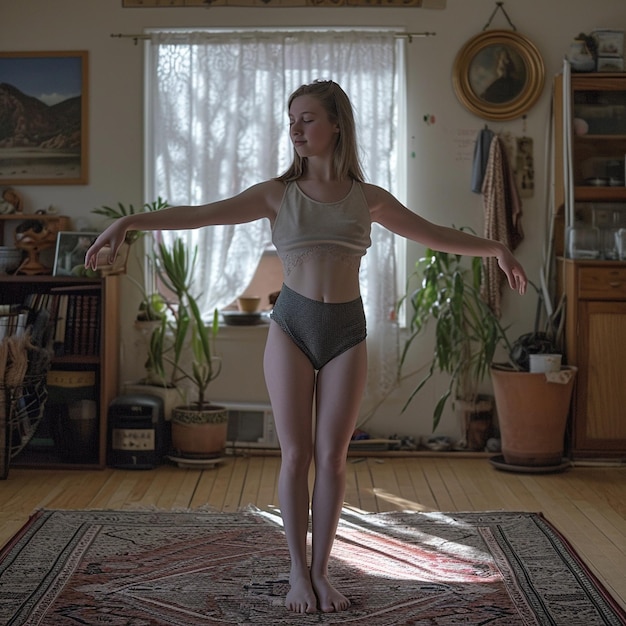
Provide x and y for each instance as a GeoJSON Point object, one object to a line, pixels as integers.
{"type": "Point", "coordinates": [322, 330]}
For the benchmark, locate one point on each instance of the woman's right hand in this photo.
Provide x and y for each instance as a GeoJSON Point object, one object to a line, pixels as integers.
{"type": "Point", "coordinates": [112, 238]}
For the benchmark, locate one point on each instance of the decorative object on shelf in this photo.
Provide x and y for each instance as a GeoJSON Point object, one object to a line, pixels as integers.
{"type": "Point", "coordinates": [45, 140]}
{"type": "Point", "coordinates": [35, 263]}
{"type": "Point", "coordinates": [11, 202]}
{"type": "Point", "coordinates": [609, 42]}
{"type": "Point", "coordinates": [33, 236]}
{"type": "Point", "coordinates": [582, 53]}
{"type": "Point", "coordinates": [610, 64]}
{"type": "Point", "coordinates": [610, 49]}
{"type": "Point", "coordinates": [498, 74]}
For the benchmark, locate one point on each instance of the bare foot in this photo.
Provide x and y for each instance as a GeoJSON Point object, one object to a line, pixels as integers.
{"type": "Point", "coordinates": [301, 597]}
{"type": "Point", "coordinates": [330, 600]}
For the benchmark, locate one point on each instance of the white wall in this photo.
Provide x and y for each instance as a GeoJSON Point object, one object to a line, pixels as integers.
{"type": "Point", "coordinates": [438, 176]}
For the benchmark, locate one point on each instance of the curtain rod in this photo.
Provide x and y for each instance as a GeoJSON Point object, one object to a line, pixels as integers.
{"type": "Point", "coordinates": [145, 36]}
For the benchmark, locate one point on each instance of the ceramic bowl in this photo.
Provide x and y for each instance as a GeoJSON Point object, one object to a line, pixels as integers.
{"type": "Point", "coordinates": [248, 304]}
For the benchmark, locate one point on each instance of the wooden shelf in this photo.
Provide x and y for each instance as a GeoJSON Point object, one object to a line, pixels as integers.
{"type": "Point", "coordinates": [603, 137]}
{"type": "Point", "coordinates": [100, 357]}
{"type": "Point", "coordinates": [600, 194]}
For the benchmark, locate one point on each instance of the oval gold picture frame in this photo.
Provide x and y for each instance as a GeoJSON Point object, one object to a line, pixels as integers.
{"type": "Point", "coordinates": [498, 75]}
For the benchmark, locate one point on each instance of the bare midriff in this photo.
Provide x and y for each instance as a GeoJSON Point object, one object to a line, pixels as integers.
{"type": "Point", "coordinates": [325, 273]}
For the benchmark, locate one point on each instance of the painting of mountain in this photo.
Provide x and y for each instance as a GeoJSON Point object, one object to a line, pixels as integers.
{"type": "Point", "coordinates": [43, 118]}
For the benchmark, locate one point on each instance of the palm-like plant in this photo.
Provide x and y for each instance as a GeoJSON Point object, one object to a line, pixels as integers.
{"type": "Point", "coordinates": [467, 332]}
{"type": "Point", "coordinates": [122, 211]}
{"type": "Point", "coordinates": [184, 326]}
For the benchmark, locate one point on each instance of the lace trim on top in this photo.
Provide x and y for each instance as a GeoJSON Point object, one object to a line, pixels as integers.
{"type": "Point", "coordinates": [296, 258]}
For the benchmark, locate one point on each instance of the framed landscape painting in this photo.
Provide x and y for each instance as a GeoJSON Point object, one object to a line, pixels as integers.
{"type": "Point", "coordinates": [43, 118]}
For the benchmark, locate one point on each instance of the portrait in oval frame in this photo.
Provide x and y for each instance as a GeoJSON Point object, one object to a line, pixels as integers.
{"type": "Point", "coordinates": [498, 75]}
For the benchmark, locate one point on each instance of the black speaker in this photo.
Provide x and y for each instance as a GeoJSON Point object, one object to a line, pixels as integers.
{"type": "Point", "coordinates": [137, 432]}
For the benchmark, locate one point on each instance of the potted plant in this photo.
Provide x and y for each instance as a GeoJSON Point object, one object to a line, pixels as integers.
{"type": "Point", "coordinates": [184, 343]}
{"type": "Point", "coordinates": [532, 413]}
{"type": "Point", "coordinates": [150, 316]}
{"type": "Point", "coordinates": [180, 358]}
{"type": "Point", "coordinates": [531, 407]}
{"type": "Point", "coordinates": [467, 335]}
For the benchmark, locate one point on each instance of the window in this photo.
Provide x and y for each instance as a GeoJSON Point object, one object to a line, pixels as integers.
{"type": "Point", "coordinates": [217, 123]}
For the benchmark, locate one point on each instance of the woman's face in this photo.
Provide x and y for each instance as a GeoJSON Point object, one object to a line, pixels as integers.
{"type": "Point", "coordinates": [311, 132]}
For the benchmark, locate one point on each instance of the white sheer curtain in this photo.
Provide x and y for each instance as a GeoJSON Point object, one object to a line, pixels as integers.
{"type": "Point", "coordinates": [217, 123]}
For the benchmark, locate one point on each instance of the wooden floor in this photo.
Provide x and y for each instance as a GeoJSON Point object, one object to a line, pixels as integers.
{"type": "Point", "coordinates": [587, 504]}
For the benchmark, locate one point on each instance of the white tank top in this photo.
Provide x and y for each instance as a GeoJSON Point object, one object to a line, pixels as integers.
{"type": "Point", "coordinates": [303, 223]}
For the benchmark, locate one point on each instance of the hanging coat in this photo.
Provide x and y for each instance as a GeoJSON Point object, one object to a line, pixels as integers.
{"type": "Point", "coordinates": [481, 157]}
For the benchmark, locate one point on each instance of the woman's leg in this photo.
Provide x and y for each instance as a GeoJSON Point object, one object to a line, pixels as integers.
{"type": "Point", "coordinates": [290, 380]}
{"type": "Point", "coordinates": [340, 386]}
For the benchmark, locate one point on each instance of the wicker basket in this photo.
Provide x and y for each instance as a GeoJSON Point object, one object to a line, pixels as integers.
{"type": "Point", "coordinates": [21, 411]}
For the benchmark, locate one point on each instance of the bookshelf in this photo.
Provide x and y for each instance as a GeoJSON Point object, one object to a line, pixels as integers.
{"type": "Point", "coordinates": [84, 366]}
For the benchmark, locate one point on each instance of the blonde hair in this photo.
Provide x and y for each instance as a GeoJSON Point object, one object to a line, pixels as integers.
{"type": "Point", "coordinates": [337, 105]}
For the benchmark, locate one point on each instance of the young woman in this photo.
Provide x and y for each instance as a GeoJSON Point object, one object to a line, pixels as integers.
{"type": "Point", "coordinates": [321, 213]}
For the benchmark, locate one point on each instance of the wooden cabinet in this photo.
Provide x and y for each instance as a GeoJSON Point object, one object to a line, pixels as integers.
{"type": "Point", "coordinates": [596, 344]}
{"type": "Point", "coordinates": [91, 353]}
{"type": "Point", "coordinates": [594, 287]}
{"type": "Point", "coordinates": [598, 148]}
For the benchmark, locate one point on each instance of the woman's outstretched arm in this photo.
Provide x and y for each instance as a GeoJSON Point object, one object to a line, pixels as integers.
{"type": "Point", "coordinates": [254, 203]}
{"type": "Point", "coordinates": [393, 215]}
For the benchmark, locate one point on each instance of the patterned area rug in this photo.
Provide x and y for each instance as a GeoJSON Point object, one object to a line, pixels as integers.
{"type": "Point", "coordinates": [150, 568]}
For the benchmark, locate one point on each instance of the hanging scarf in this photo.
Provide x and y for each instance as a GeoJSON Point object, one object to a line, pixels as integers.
{"type": "Point", "coordinates": [503, 212]}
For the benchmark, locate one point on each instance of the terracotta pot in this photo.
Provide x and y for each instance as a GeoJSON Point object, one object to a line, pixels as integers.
{"type": "Point", "coordinates": [200, 434]}
{"type": "Point", "coordinates": [532, 413]}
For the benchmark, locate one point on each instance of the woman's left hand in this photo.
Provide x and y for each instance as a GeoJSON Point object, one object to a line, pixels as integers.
{"type": "Point", "coordinates": [514, 271]}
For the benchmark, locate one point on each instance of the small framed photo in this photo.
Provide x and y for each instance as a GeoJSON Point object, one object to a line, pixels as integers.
{"type": "Point", "coordinates": [69, 256]}
{"type": "Point", "coordinates": [71, 247]}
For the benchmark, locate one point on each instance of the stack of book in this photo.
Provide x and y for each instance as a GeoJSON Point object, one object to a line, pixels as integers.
{"type": "Point", "coordinates": [13, 319]}
{"type": "Point", "coordinates": [75, 315]}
